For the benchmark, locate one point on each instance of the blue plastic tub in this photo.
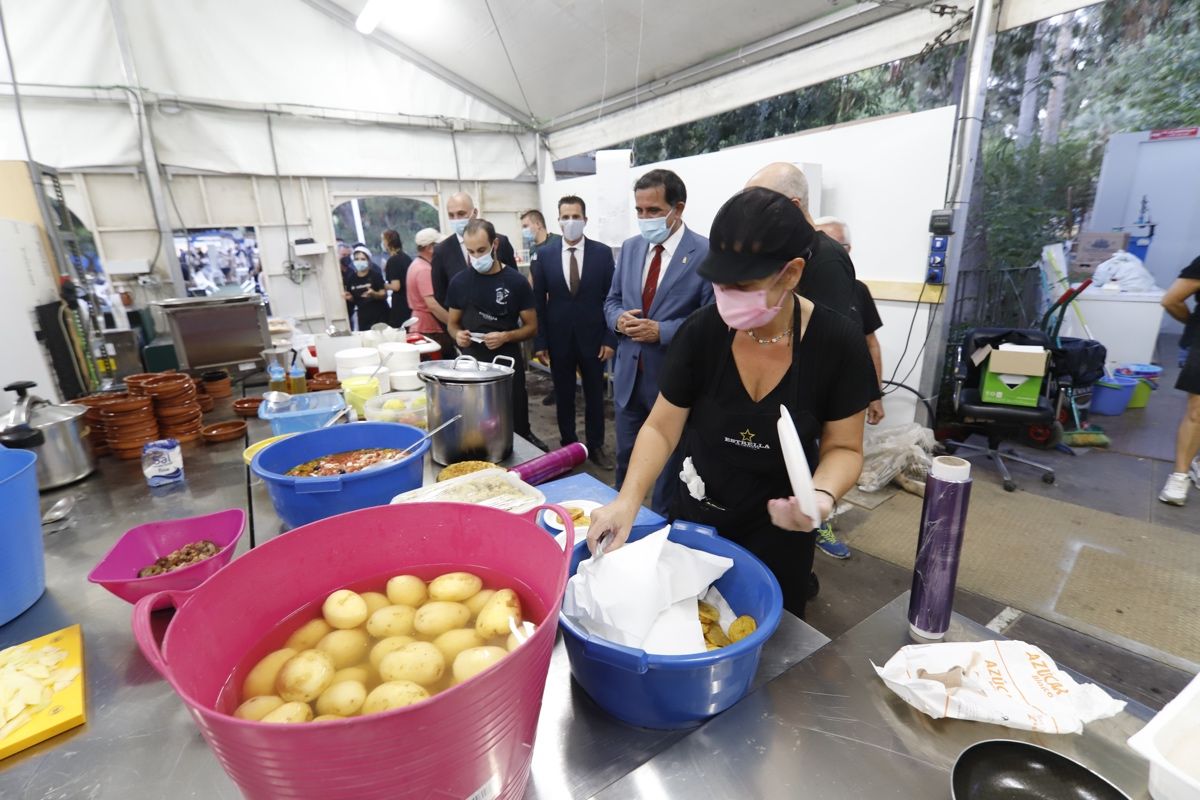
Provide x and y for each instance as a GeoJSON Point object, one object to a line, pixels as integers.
{"type": "Point", "coordinates": [305, 412]}
{"type": "Point", "coordinates": [22, 559]}
{"type": "Point", "coordinates": [1111, 397]}
{"type": "Point", "coordinates": [299, 501]}
{"type": "Point", "coordinates": [671, 692]}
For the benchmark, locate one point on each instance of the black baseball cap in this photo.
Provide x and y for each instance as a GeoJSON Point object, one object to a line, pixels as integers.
{"type": "Point", "coordinates": [754, 234]}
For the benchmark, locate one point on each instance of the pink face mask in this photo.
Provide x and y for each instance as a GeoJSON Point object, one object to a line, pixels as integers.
{"type": "Point", "coordinates": [746, 310]}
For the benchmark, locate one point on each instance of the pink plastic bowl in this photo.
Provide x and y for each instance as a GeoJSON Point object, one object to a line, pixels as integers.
{"type": "Point", "coordinates": [143, 545]}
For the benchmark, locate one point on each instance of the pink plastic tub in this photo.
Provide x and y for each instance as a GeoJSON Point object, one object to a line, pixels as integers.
{"type": "Point", "coordinates": [476, 736]}
{"type": "Point", "coordinates": [141, 546]}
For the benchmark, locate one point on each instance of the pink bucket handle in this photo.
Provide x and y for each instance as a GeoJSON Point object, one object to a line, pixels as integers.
{"type": "Point", "coordinates": [568, 528]}
{"type": "Point", "coordinates": [142, 631]}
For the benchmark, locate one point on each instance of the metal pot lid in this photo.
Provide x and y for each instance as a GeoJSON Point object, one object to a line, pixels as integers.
{"type": "Point", "coordinates": [466, 369]}
{"type": "Point", "coordinates": [43, 416]}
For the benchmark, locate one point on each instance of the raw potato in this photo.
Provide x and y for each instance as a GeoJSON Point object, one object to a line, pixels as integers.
{"type": "Point", "coordinates": [386, 646]}
{"type": "Point", "coordinates": [256, 708]}
{"type": "Point", "coordinates": [406, 590]}
{"type": "Point", "coordinates": [345, 609]}
{"type": "Point", "coordinates": [326, 717]}
{"type": "Point", "coordinates": [476, 603]}
{"type": "Point", "coordinates": [342, 699]}
{"type": "Point", "coordinates": [290, 713]}
{"type": "Point", "coordinates": [360, 673]}
{"type": "Point", "coordinates": [470, 663]}
{"type": "Point", "coordinates": [375, 601]}
{"type": "Point", "coordinates": [261, 680]}
{"type": "Point", "coordinates": [493, 619]}
{"type": "Point", "coordinates": [308, 634]}
{"type": "Point", "coordinates": [451, 643]}
{"type": "Point", "coordinates": [346, 648]}
{"type": "Point", "coordinates": [742, 627]}
{"type": "Point", "coordinates": [455, 586]}
{"type": "Point", "coordinates": [439, 616]}
{"type": "Point", "coordinates": [393, 694]}
{"type": "Point", "coordinates": [391, 621]}
{"type": "Point", "coordinates": [419, 662]}
{"type": "Point", "coordinates": [305, 676]}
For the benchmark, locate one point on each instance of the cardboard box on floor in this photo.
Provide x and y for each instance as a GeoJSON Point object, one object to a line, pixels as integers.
{"type": "Point", "coordinates": [1093, 248]}
{"type": "Point", "coordinates": [1002, 382]}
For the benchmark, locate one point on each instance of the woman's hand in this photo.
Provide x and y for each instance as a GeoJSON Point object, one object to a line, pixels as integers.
{"type": "Point", "coordinates": [786, 514]}
{"type": "Point", "coordinates": [616, 518]}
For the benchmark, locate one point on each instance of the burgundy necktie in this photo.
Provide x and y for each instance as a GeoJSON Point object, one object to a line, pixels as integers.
{"type": "Point", "coordinates": [574, 282]}
{"type": "Point", "coordinates": [651, 286]}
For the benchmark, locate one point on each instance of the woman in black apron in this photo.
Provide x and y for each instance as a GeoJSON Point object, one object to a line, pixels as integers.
{"type": "Point", "coordinates": [728, 370]}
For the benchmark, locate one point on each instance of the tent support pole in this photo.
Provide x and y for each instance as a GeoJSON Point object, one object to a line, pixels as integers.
{"type": "Point", "coordinates": [150, 163]}
{"type": "Point", "coordinates": [968, 132]}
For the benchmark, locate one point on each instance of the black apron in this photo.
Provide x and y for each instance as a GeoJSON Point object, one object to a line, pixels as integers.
{"type": "Point", "coordinates": [734, 445]}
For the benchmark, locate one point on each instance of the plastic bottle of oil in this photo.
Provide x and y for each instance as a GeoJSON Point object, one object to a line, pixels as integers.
{"type": "Point", "coordinates": [297, 383]}
{"type": "Point", "coordinates": [277, 379]}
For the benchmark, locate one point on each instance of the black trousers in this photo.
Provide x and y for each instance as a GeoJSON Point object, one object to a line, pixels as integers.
{"type": "Point", "coordinates": [563, 365]}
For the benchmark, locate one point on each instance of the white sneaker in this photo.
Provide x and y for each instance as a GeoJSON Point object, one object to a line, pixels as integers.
{"type": "Point", "coordinates": [1194, 472]}
{"type": "Point", "coordinates": [1176, 489]}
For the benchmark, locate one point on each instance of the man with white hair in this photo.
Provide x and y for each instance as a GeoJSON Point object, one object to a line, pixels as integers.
{"type": "Point", "coordinates": [838, 230]}
{"type": "Point", "coordinates": [828, 276]}
{"type": "Point", "coordinates": [450, 257]}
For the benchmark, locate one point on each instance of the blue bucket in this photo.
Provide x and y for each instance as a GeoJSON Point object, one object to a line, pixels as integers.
{"type": "Point", "coordinates": [671, 692]}
{"type": "Point", "coordinates": [22, 559]}
{"type": "Point", "coordinates": [1111, 397]}
{"type": "Point", "coordinates": [299, 501]}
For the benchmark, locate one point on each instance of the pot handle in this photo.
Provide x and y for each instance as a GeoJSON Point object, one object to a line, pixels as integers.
{"type": "Point", "coordinates": [319, 484]}
{"type": "Point", "coordinates": [474, 362]}
{"type": "Point", "coordinates": [142, 631]}
{"type": "Point", "coordinates": [512, 362]}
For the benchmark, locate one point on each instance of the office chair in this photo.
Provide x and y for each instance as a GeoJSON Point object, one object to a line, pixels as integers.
{"type": "Point", "coordinates": [995, 422]}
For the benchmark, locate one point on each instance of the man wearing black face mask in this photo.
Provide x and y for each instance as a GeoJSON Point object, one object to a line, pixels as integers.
{"type": "Point", "coordinates": [492, 312]}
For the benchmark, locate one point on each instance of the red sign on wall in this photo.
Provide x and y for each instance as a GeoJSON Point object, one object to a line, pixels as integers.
{"type": "Point", "coordinates": [1174, 133]}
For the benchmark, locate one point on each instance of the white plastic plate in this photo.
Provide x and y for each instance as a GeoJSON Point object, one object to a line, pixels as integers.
{"type": "Point", "coordinates": [797, 466]}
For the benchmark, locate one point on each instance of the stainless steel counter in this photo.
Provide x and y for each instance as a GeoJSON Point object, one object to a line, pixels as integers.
{"type": "Point", "coordinates": [140, 742]}
{"type": "Point", "coordinates": [830, 728]}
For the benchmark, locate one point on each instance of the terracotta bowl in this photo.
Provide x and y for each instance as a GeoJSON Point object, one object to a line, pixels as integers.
{"type": "Point", "coordinates": [205, 402]}
{"type": "Point", "coordinates": [247, 406]}
{"type": "Point", "coordinates": [224, 431]}
{"type": "Point", "coordinates": [169, 413]}
{"type": "Point", "coordinates": [167, 385]}
{"type": "Point", "coordinates": [124, 405]}
{"type": "Point", "coordinates": [186, 438]}
{"type": "Point", "coordinates": [137, 432]}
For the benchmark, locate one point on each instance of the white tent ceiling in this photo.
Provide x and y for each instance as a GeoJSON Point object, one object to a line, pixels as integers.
{"type": "Point", "coordinates": [432, 93]}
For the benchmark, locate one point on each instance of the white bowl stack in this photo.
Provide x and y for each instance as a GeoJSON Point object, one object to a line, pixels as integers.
{"type": "Point", "coordinates": [349, 360]}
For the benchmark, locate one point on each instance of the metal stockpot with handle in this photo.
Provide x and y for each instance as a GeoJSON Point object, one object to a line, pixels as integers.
{"type": "Point", "coordinates": [55, 433]}
{"type": "Point", "coordinates": [482, 393]}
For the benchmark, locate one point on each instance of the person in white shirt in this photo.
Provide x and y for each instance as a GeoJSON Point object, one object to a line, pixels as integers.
{"type": "Point", "coordinates": [654, 289]}
{"type": "Point", "coordinates": [571, 279]}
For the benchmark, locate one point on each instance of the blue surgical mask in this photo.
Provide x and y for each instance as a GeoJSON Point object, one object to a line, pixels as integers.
{"type": "Point", "coordinates": [572, 228]}
{"type": "Point", "coordinates": [655, 230]}
{"type": "Point", "coordinates": [458, 226]}
{"type": "Point", "coordinates": [527, 235]}
{"type": "Point", "coordinates": [483, 264]}
{"type": "Point", "coordinates": [362, 265]}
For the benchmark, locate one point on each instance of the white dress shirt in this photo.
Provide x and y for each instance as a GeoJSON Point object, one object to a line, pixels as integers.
{"type": "Point", "coordinates": [566, 259]}
{"type": "Point", "coordinates": [669, 248]}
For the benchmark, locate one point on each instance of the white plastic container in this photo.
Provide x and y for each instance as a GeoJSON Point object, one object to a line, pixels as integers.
{"type": "Point", "coordinates": [495, 488]}
{"type": "Point", "coordinates": [399, 355]}
{"type": "Point", "coordinates": [1169, 741]}
{"type": "Point", "coordinates": [405, 380]}
{"type": "Point", "coordinates": [405, 407]}
{"type": "Point", "coordinates": [385, 385]}
{"type": "Point", "coordinates": [348, 360]}
{"type": "Point", "coordinates": [329, 346]}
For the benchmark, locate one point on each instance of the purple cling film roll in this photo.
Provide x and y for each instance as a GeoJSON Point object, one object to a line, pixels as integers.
{"type": "Point", "coordinates": [939, 544]}
{"type": "Point", "coordinates": [552, 464]}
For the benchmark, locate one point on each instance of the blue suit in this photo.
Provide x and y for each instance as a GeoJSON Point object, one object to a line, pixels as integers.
{"type": "Point", "coordinates": [635, 377]}
{"type": "Point", "coordinates": [572, 330]}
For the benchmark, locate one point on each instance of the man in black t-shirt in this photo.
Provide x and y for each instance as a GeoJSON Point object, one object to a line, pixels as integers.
{"type": "Point", "coordinates": [1187, 441]}
{"type": "Point", "coordinates": [491, 312]}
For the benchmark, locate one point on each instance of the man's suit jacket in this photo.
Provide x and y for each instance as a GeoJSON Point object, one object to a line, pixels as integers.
{"type": "Point", "coordinates": [563, 319]}
{"type": "Point", "coordinates": [680, 292]}
{"type": "Point", "coordinates": [448, 261]}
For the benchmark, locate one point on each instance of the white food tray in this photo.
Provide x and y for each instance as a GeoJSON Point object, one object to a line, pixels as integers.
{"type": "Point", "coordinates": [1170, 737]}
{"type": "Point", "coordinates": [480, 488]}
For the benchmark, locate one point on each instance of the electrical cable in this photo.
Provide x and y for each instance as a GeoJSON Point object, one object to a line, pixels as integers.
{"type": "Point", "coordinates": [604, 81]}
{"type": "Point", "coordinates": [933, 309]}
{"type": "Point", "coordinates": [926, 401]}
{"type": "Point", "coordinates": [16, 89]}
{"type": "Point", "coordinates": [511, 65]}
{"type": "Point", "coordinates": [908, 336]}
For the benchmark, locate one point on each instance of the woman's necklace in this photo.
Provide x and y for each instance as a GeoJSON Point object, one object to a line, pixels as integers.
{"type": "Point", "coordinates": [778, 337]}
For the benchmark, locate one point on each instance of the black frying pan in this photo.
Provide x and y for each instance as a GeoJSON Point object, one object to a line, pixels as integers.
{"type": "Point", "coordinates": [1001, 769]}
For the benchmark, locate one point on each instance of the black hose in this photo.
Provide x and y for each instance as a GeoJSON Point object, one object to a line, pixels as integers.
{"type": "Point", "coordinates": [924, 400]}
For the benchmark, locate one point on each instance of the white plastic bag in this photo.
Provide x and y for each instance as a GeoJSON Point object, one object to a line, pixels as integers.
{"type": "Point", "coordinates": [1127, 271]}
{"type": "Point", "coordinates": [888, 452]}
{"type": "Point", "coordinates": [1008, 683]}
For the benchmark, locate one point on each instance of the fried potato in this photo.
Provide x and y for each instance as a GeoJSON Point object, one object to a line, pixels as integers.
{"type": "Point", "coordinates": [742, 627]}
{"type": "Point", "coordinates": [708, 612]}
{"type": "Point", "coordinates": [714, 635]}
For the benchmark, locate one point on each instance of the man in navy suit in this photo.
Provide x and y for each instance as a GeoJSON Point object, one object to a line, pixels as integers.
{"type": "Point", "coordinates": [655, 288]}
{"type": "Point", "coordinates": [571, 280]}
